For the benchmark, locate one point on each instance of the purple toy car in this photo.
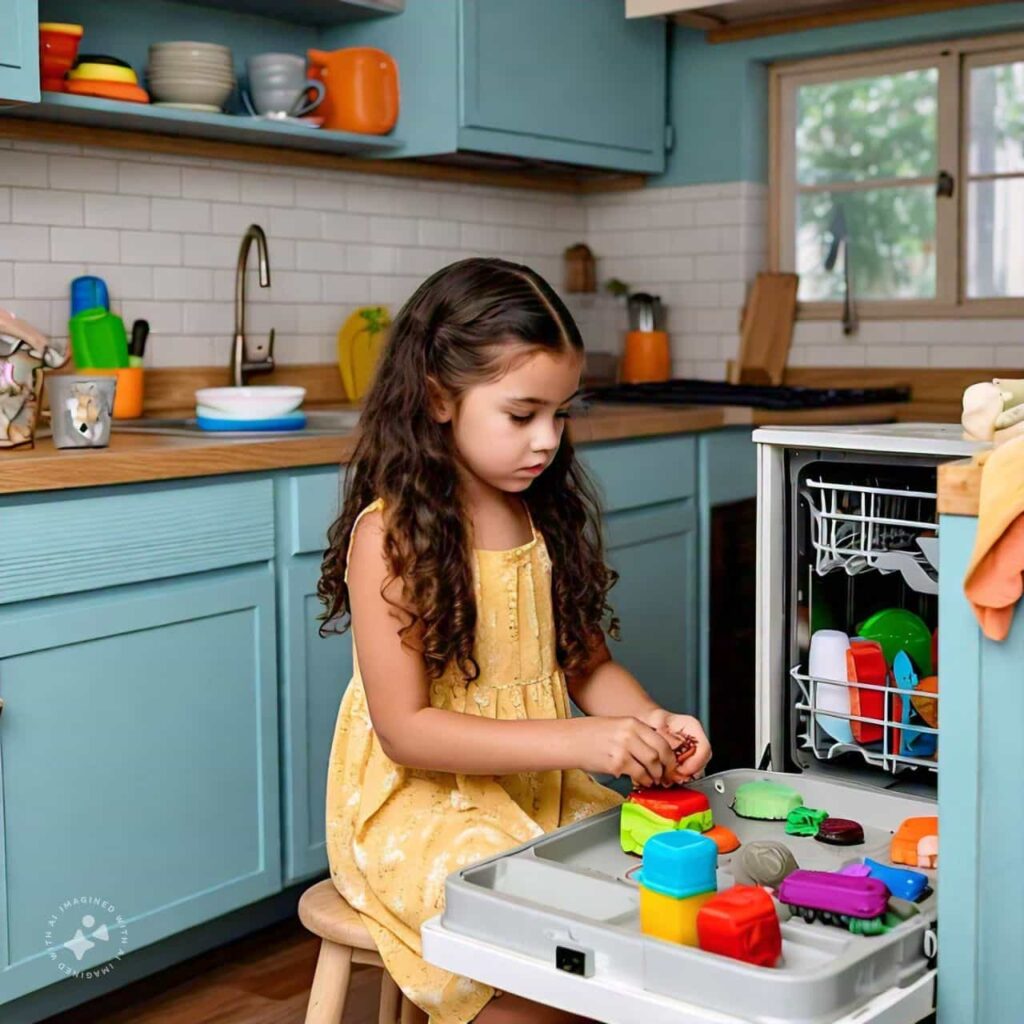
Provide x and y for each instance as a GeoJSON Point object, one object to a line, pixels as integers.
{"type": "Point", "coordinates": [832, 897]}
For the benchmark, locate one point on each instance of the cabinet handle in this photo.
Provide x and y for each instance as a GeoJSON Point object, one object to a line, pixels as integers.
{"type": "Point", "coordinates": [1, 705]}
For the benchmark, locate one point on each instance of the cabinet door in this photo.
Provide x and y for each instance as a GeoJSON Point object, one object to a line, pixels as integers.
{"type": "Point", "coordinates": [568, 80]}
{"type": "Point", "coordinates": [314, 673]}
{"type": "Point", "coordinates": [654, 551]}
{"type": "Point", "coordinates": [19, 51]}
{"type": "Point", "coordinates": [138, 768]}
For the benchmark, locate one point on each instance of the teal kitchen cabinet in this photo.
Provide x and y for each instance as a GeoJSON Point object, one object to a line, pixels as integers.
{"type": "Point", "coordinates": [981, 764]}
{"type": "Point", "coordinates": [139, 733]}
{"type": "Point", "coordinates": [314, 670]}
{"type": "Point", "coordinates": [648, 490]}
{"type": "Point", "coordinates": [562, 80]}
{"type": "Point", "coordinates": [19, 51]}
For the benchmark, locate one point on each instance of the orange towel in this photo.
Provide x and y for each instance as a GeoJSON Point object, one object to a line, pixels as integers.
{"type": "Point", "coordinates": [995, 576]}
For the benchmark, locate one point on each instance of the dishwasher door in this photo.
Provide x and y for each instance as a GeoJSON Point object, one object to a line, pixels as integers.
{"type": "Point", "coordinates": [510, 920]}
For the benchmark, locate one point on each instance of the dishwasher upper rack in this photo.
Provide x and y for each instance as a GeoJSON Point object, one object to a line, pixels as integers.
{"type": "Point", "coordinates": [861, 527]}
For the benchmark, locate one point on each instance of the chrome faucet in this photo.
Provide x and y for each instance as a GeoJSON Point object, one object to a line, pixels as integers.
{"type": "Point", "coordinates": [257, 357]}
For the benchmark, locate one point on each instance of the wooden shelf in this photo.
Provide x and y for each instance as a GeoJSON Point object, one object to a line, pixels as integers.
{"type": "Point", "coordinates": [308, 12]}
{"type": "Point", "coordinates": [139, 117]}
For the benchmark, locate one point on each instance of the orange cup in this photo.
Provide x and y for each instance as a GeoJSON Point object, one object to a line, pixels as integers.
{"type": "Point", "coordinates": [646, 357]}
{"type": "Point", "coordinates": [362, 89]}
{"type": "Point", "coordinates": [128, 394]}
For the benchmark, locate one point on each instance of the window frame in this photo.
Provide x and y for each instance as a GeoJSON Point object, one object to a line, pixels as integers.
{"type": "Point", "coordinates": [954, 59]}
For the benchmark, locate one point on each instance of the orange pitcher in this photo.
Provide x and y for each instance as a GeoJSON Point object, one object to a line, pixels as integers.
{"type": "Point", "coordinates": [362, 89]}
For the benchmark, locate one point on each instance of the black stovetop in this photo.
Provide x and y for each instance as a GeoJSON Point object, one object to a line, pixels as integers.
{"type": "Point", "coordinates": [683, 391]}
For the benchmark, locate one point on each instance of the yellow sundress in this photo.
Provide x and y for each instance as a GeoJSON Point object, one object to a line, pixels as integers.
{"type": "Point", "coordinates": [394, 833]}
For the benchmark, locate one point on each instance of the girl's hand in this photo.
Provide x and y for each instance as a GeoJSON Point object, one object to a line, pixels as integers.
{"type": "Point", "coordinates": [682, 730]}
{"type": "Point", "coordinates": [623, 746]}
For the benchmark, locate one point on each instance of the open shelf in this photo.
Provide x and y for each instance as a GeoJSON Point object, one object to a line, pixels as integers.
{"type": "Point", "coordinates": [308, 12]}
{"type": "Point", "coordinates": [140, 117]}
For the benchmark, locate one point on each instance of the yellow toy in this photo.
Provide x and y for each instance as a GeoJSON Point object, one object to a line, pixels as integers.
{"type": "Point", "coordinates": [360, 342]}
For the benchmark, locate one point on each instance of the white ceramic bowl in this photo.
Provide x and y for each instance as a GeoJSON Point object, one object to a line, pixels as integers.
{"type": "Point", "coordinates": [184, 91]}
{"type": "Point", "coordinates": [257, 403]}
{"type": "Point", "coordinates": [214, 50]}
{"type": "Point", "coordinates": [188, 68]}
{"type": "Point", "coordinates": [167, 78]}
{"type": "Point", "coordinates": [173, 62]}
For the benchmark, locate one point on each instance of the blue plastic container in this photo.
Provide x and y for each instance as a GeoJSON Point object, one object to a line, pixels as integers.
{"type": "Point", "coordinates": [679, 864]}
{"type": "Point", "coordinates": [89, 293]}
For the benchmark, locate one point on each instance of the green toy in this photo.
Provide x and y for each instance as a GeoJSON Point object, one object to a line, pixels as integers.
{"type": "Point", "coordinates": [897, 629]}
{"type": "Point", "coordinates": [804, 821]}
{"type": "Point", "coordinates": [637, 824]}
{"type": "Point", "coordinates": [766, 801]}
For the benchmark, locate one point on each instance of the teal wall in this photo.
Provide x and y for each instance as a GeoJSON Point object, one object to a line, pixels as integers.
{"type": "Point", "coordinates": [719, 93]}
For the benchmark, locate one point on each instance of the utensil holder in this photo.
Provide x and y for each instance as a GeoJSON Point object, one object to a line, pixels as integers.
{"type": "Point", "coordinates": [130, 390]}
{"type": "Point", "coordinates": [646, 357]}
{"type": "Point", "coordinates": [80, 408]}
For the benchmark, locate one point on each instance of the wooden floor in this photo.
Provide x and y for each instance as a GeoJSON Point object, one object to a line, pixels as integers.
{"type": "Point", "coordinates": [261, 979]}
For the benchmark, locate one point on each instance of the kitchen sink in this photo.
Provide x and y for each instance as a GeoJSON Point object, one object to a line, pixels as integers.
{"type": "Point", "coordinates": [339, 421]}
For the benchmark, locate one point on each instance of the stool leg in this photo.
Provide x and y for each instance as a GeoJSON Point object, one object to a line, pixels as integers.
{"type": "Point", "coordinates": [390, 998]}
{"type": "Point", "coordinates": [330, 984]}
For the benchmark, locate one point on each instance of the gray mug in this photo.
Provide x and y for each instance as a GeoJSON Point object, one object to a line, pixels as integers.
{"type": "Point", "coordinates": [279, 86]}
{"type": "Point", "coordinates": [80, 410]}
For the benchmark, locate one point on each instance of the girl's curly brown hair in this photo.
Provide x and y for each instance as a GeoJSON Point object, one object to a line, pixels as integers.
{"type": "Point", "coordinates": [457, 330]}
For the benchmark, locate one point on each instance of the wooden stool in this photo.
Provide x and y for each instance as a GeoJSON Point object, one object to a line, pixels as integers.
{"type": "Point", "coordinates": [345, 942]}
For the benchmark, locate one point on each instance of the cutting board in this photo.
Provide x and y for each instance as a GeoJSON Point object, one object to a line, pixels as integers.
{"type": "Point", "coordinates": [766, 330]}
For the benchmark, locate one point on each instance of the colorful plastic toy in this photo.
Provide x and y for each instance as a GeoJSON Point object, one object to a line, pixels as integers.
{"type": "Point", "coordinates": [741, 923]}
{"type": "Point", "coordinates": [765, 801]}
{"type": "Point", "coordinates": [908, 742]}
{"type": "Point", "coordinates": [724, 838]}
{"type": "Point", "coordinates": [901, 882]}
{"type": "Point", "coordinates": [840, 832]}
{"type": "Point", "coordinates": [804, 821]}
{"type": "Point", "coordinates": [763, 862]}
{"type": "Point", "coordinates": [676, 880]}
{"type": "Point", "coordinates": [651, 811]}
{"type": "Point", "coordinates": [865, 663]}
{"type": "Point", "coordinates": [833, 898]}
{"type": "Point", "coordinates": [917, 843]}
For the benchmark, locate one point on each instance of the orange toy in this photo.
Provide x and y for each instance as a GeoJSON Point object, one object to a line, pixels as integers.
{"type": "Point", "coordinates": [724, 838]}
{"type": "Point", "coordinates": [58, 47]}
{"type": "Point", "coordinates": [917, 843]}
{"type": "Point", "coordinates": [107, 90]}
{"type": "Point", "coordinates": [362, 89]}
{"type": "Point", "coordinates": [927, 707]}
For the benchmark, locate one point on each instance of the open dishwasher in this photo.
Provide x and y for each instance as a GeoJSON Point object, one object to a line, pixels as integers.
{"type": "Point", "coordinates": [847, 529]}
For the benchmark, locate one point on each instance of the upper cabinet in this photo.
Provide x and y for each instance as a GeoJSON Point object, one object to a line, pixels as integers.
{"type": "Point", "coordinates": [19, 51]}
{"type": "Point", "coordinates": [570, 81]}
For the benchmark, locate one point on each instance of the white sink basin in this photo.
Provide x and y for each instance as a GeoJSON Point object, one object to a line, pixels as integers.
{"type": "Point", "coordinates": [341, 421]}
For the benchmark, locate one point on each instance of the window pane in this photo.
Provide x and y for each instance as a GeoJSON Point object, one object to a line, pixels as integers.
{"type": "Point", "coordinates": [995, 242]}
{"type": "Point", "coordinates": [860, 129]}
{"type": "Point", "coordinates": [997, 119]}
{"type": "Point", "coordinates": [892, 243]}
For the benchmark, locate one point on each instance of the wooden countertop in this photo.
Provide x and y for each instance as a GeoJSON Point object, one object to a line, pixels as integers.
{"type": "Point", "coordinates": [959, 487]}
{"type": "Point", "coordinates": [135, 458]}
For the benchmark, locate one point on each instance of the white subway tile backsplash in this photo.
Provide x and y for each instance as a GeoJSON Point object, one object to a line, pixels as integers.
{"type": "Point", "coordinates": [149, 179]}
{"type": "Point", "coordinates": [116, 211]}
{"type": "Point", "coordinates": [24, 242]}
{"type": "Point", "coordinates": [45, 206]}
{"type": "Point", "coordinates": [210, 183]}
{"type": "Point", "coordinates": [22, 168]}
{"type": "Point", "coordinates": [85, 174]}
{"type": "Point", "coordinates": [155, 248]}
{"type": "Point", "coordinates": [184, 283]}
{"type": "Point", "coordinates": [180, 215]}
{"type": "Point", "coordinates": [165, 231]}
{"type": "Point", "coordinates": [72, 245]}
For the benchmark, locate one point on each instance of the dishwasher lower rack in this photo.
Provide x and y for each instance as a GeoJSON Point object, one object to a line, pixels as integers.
{"type": "Point", "coordinates": [506, 917]}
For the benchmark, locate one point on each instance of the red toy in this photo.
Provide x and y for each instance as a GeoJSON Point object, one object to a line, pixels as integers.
{"type": "Point", "coordinates": [741, 922]}
{"type": "Point", "coordinates": [675, 803]}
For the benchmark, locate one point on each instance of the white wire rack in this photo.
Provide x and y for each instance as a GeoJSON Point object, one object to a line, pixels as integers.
{"type": "Point", "coordinates": [902, 739]}
{"type": "Point", "coordinates": [859, 527]}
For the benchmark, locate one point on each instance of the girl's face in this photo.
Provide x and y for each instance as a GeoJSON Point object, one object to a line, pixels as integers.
{"type": "Point", "coordinates": [506, 432]}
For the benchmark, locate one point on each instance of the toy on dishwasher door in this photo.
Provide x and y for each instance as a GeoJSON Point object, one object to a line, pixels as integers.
{"type": "Point", "coordinates": [917, 843]}
{"type": "Point", "coordinates": [741, 923]}
{"type": "Point", "coordinates": [651, 811]}
{"type": "Point", "coordinates": [834, 898]}
{"type": "Point", "coordinates": [677, 878]}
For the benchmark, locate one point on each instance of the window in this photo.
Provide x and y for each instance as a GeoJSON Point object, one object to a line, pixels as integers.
{"type": "Point", "coordinates": [900, 175]}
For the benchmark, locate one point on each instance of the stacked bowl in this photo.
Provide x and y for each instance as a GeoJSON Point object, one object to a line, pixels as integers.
{"type": "Point", "coordinates": [191, 76]}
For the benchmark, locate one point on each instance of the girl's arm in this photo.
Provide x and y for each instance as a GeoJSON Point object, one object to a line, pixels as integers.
{"type": "Point", "coordinates": [604, 687]}
{"type": "Point", "coordinates": [414, 734]}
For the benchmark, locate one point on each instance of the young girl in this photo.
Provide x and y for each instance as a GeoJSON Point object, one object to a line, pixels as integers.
{"type": "Point", "coordinates": [468, 557]}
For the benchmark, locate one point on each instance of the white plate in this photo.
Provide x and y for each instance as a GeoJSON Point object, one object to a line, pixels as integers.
{"type": "Point", "coordinates": [255, 403]}
{"type": "Point", "coordinates": [205, 108]}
